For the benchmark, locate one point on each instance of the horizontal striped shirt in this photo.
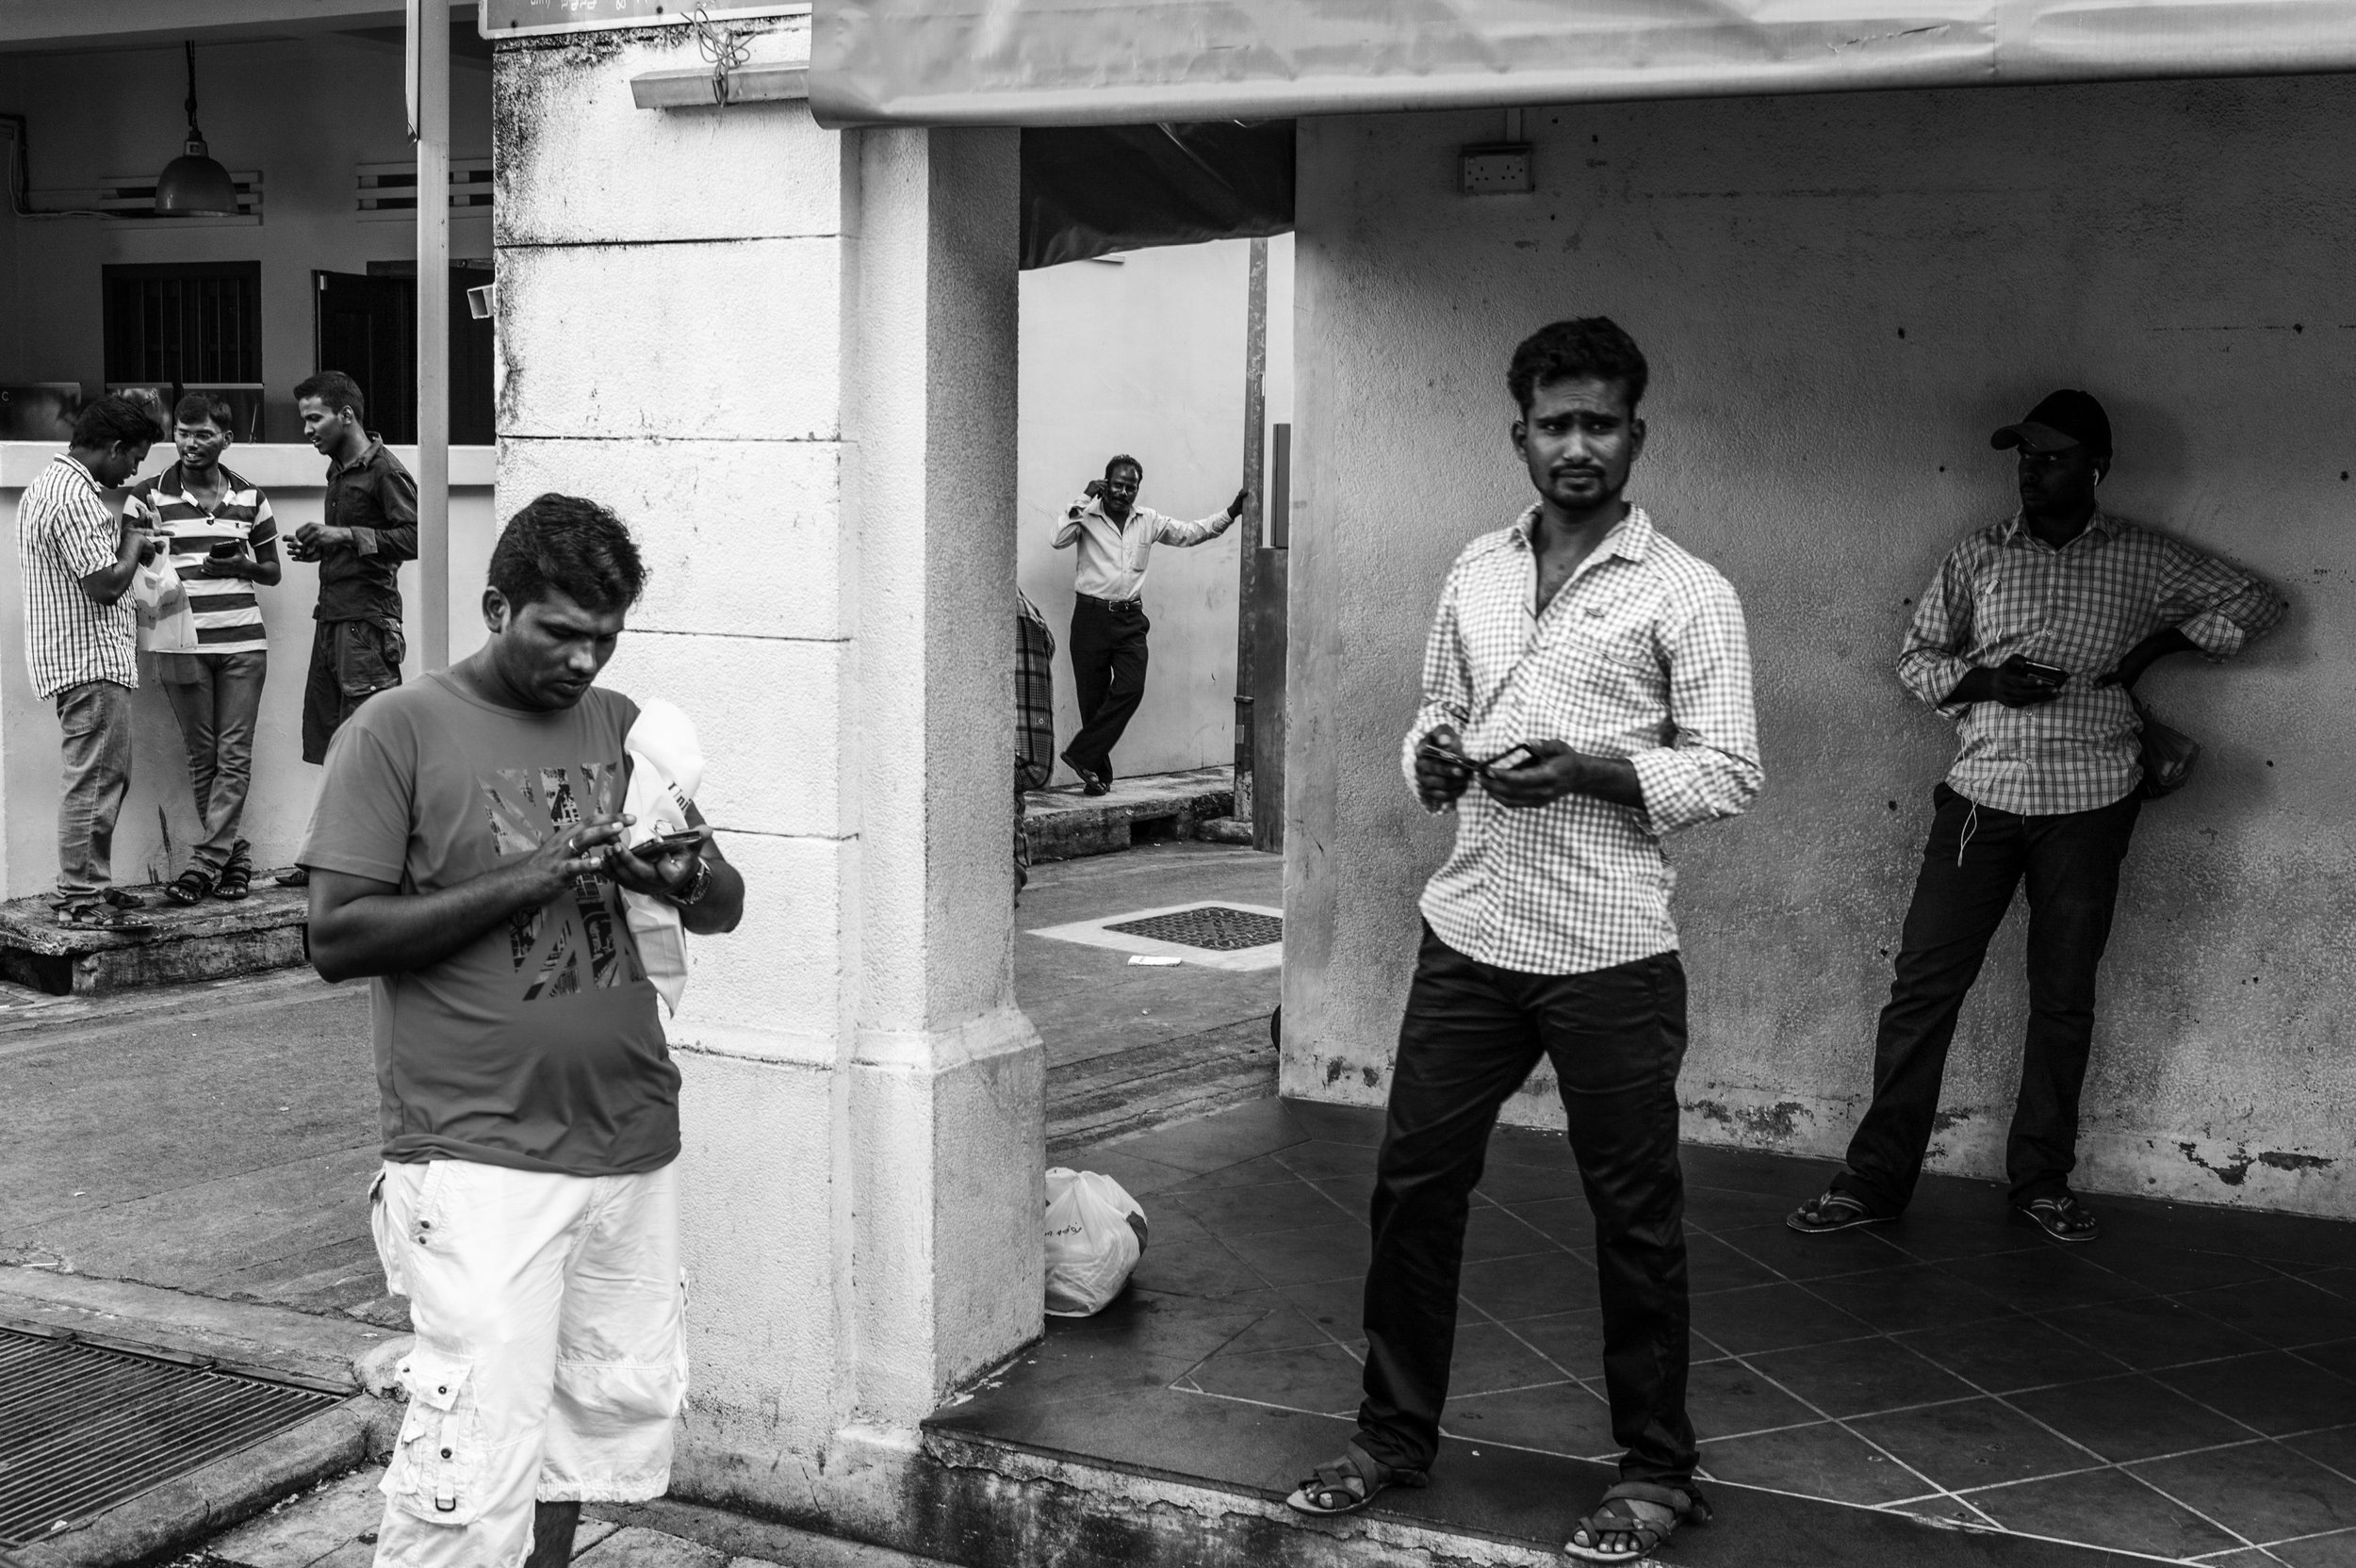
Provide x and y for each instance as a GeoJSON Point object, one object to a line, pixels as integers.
{"type": "Point", "coordinates": [2004, 591]}
{"type": "Point", "coordinates": [1643, 655]}
{"type": "Point", "coordinates": [228, 617]}
{"type": "Point", "coordinates": [63, 533]}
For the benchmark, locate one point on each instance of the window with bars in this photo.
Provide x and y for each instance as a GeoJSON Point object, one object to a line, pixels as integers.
{"type": "Point", "coordinates": [184, 322]}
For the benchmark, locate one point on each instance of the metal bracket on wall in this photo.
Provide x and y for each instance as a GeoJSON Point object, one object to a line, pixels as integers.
{"type": "Point", "coordinates": [693, 88]}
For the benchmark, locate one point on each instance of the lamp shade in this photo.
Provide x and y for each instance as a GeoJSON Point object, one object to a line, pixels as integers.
{"type": "Point", "coordinates": [193, 185]}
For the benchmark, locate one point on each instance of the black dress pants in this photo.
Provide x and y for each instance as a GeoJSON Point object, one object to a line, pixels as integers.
{"type": "Point", "coordinates": [1976, 855]}
{"type": "Point", "coordinates": [1472, 1034]}
{"type": "Point", "coordinates": [1108, 674]}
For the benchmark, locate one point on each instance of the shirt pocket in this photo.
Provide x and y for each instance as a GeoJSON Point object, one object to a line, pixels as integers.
{"type": "Point", "coordinates": [438, 1468]}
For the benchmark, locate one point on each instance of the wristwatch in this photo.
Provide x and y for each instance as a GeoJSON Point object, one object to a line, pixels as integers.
{"type": "Point", "coordinates": [698, 883]}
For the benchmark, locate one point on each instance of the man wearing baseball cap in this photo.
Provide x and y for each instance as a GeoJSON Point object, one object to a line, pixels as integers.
{"type": "Point", "coordinates": [2031, 639]}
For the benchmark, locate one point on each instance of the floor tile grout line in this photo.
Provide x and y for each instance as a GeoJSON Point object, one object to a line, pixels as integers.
{"type": "Point", "coordinates": [1809, 1404]}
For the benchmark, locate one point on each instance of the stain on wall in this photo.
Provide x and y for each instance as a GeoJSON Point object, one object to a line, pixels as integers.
{"type": "Point", "coordinates": [1841, 296]}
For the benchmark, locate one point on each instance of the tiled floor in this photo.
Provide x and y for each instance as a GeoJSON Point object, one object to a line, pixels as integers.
{"type": "Point", "coordinates": [2184, 1390]}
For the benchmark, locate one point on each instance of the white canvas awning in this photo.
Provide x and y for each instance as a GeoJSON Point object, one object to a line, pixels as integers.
{"type": "Point", "coordinates": [1075, 62]}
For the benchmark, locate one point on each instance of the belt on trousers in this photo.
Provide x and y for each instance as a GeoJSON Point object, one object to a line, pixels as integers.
{"type": "Point", "coordinates": [1112, 604]}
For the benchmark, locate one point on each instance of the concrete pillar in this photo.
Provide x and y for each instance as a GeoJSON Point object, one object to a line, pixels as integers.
{"type": "Point", "coordinates": [787, 356]}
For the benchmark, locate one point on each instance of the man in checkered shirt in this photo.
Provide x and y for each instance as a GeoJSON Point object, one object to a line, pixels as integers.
{"type": "Point", "coordinates": [2031, 638]}
{"type": "Point", "coordinates": [1595, 679]}
{"type": "Point", "coordinates": [81, 645]}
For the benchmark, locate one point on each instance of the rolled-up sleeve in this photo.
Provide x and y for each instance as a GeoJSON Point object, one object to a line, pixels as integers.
{"type": "Point", "coordinates": [1068, 532]}
{"type": "Point", "coordinates": [2216, 608]}
{"type": "Point", "coordinates": [1709, 767]}
{"type": "Point", "coordinates": [1931, 662]}
{"type": "Point", "coordinates": [1447, 691]}
{"type": "Point", "coordinates": [1170, 530]}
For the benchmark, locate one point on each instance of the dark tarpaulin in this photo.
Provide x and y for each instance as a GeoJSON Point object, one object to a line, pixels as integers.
{"type": "Point", "coordinates": [1089, 190]}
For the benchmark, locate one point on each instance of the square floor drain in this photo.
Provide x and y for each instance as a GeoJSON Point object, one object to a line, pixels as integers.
{"type": "Point", "coordinates": [1213, 926]}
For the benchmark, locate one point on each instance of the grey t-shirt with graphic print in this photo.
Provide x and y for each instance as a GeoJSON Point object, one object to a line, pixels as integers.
{"type": "Point", "coordinates": [539, 1045]}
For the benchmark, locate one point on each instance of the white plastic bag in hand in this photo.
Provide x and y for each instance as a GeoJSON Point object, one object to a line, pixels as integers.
{"type": "Point", "coordinates": [666, 767]}
{"type": "Point", "coordinates": [1095, 1234]}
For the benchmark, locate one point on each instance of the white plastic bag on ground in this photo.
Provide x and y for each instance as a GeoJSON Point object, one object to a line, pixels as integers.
{"type": "Point", "coordinates": [1095, 1234]}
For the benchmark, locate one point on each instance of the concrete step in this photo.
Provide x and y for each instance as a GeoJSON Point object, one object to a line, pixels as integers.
{"type": "Point", "coordinates": [1062, 823]}
{"type": "Point", "coordinates": [212, 941]}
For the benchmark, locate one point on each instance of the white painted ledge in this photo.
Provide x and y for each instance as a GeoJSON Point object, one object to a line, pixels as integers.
{"type": "Point", "coordinates": [695, 87]}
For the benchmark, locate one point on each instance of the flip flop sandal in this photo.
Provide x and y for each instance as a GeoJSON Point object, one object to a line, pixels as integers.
{"type": "Point", "coordinates": [1686, 1504]}
{"type": "Point", "coordinates": [236, 882]}
{"type": "Point", "coordinates": [122, 899]}
{"type": "Point", "coordinates": [1832, 1211]}
{"type": "Point", "coordinates": [187, 887]}
{"type": "Point", "coordinates": [2064, 1218]}
{"type": "Point", "coordinates": [1331, 1490]}
{"type": "Point", "coordinates": [98, 917]}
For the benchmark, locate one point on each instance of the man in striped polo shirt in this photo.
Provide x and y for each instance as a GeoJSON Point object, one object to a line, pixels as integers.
{"type": "Point", "coordinates": [80, 647]}
{"type": "Point", "coordinates": [224, 546]}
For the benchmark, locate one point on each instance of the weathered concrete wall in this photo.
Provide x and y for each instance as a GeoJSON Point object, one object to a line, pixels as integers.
{"type": "Point", "coordinates": [1840, 297]}
{"type": "Point", "coordinates": [787, 357]}
{"type": "Point", "coordinates": [302, 111]}
{"type": "Point", "coordinates": [160, 815]}
{"type": "Point", "coordinates": [1144, 353]}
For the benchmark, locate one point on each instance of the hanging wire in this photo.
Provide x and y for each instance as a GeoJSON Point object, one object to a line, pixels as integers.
{"type": "Point", "coordinates": [21, 180]}
{"type": "Point", "coordinates": [724, 49]}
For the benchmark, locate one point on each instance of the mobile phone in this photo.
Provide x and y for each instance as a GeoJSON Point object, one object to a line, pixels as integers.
{"type": "Point", "coordinates": [227, 549]}
{"type": "Point", "coordinates": [1483, 766]}
{"type": "Point", "coordinates": [2052, 675]}
{"type": "Point", "coordinates": [668, 844]}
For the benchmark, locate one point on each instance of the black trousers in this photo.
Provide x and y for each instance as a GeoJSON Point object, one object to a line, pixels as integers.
{"type": "Point", "coordinates": [1108, 675]}
{"type": "Point", "coordinates": [351, 662]}
{"type": "Point", "coordinates": [1976, 855]}
{"type": "Point", "coordinates": [1472, 1033]}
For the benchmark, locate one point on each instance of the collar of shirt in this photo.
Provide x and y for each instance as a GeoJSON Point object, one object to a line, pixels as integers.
{"type": "Point", "coordinates": [82, 470]}
{"type": "Point", "coordinates": [174, 481]}
{"type": "Point", "coordinates": [1629, 539]}
{"type": "Point", "coordinates": [368, 457]}
{"type": "Point", "coordinates": [2016, 533]}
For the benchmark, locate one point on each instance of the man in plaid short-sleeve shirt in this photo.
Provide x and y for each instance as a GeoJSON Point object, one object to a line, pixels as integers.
{"type": "Point", "coordinates": [1595, 679]}
{"type": "Point", "coordinates": [2031, 638]}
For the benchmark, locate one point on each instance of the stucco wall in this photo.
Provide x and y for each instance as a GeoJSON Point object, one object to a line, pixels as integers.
{"type": "Point", "coordinates": [1144, 353]}
{"type": "Point", "coordinates": [1840, 297]}
{"type": "Point", "coordinates": [160, 815]}
{"type": "Point", "coordinates": [302, 111]}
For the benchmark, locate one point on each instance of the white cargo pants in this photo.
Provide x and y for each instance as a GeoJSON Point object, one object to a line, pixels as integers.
{"type": "Point", "coordinates": [550, 1360]}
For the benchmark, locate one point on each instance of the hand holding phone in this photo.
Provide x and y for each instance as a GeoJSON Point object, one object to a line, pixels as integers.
{"type": "Point", "coordinates": [688, 842]}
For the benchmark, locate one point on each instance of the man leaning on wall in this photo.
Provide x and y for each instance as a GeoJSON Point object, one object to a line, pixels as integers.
{"type": "Point", "coordinates": [1595, 679]}
{"type": "Point", "coordinates": [467, 856]}
{"type": "Point", "coordinates": [2031, 638]}
{"type": "Point", "coordinates": [81, 644]}
{"type": "Point", "coordinates": [368, 526]}
{"type": "Point", "coordinates": [223, 546]}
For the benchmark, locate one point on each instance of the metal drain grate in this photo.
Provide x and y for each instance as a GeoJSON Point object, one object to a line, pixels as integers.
{"type": "Point", "coordinates": [84, 1427]}
{"type": "Point", "coordinates": [1211, 925]}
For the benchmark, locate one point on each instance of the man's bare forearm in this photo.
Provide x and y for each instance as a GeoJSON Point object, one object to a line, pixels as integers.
{"type": "Point", "coordinates": [390, 932]}
{"type": "Point", "coordinates": [1611, 778]}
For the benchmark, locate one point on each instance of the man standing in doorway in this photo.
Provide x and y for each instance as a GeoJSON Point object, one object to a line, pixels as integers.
{"type": "Point", "coordinates": [1595, 680]}
{"type": "Point", "coordinates": [224, 545]}
{"type": "Point", "coordinates": [467, 857]}
{"type": "Point", "coordinates": [81, 644]}
{"type": "Point", "coordinates": [2031, 638]}
{"type": "Point", "coordinates": [1116, 538]}
{"type": "Point", "coordinates": [368, 529]}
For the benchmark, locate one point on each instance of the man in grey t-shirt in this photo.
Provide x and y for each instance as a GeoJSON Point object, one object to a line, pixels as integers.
{"type": "Point", "coordinates": [465, 854]}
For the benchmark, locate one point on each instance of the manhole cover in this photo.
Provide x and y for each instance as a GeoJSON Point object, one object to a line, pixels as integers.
{"type": "Point", "coordinates": [1213, 926]}
{"type": "Point", "coordinates": [83, 1428]}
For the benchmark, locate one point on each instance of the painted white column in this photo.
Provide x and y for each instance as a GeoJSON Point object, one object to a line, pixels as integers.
{"type": "Point", "coordinates": [787, 357]}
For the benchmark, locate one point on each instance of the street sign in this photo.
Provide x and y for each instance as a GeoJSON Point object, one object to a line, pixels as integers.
{"type": "Point", "coordinates": [497, 19]}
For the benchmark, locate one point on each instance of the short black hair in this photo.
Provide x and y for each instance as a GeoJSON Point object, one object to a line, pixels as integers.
{"type": "Point", "coordinates": [336, 390]}
{"type": "Point", "coordinates": [195, 408]}
{"type": "Point", "coordinates": [1123, 460]}
{"type": "Point", "coordinates": [1586, 347]}
{"type": "Point", "coordinates": [115, 420]}
{"type": "Point", "coordinates": [567, 543]}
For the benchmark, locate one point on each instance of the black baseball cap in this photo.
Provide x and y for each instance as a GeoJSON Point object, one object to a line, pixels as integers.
{"type": "Point", "coordinates": [2064, 419]}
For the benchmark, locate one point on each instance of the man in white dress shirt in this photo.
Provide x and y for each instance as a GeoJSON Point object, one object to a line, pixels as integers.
{"type": "Point", "coordinates": [1116, 538]}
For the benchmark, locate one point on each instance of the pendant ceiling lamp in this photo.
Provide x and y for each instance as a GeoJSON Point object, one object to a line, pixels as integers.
{"type": "Point", "coordinates": [192, 185]}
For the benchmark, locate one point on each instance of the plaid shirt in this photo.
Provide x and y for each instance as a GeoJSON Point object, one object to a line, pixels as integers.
{"type": "Point", "coordinates": [2005, 591]}
{"type": "Point", "coordinates": [63, 533]}
{"type": "Point", "coordinates": [1641, 655]}
{"type": "Point", "coordinates": [1033, 695]}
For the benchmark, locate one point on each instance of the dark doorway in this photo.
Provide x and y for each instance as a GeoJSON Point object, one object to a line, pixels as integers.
{"type": "Point", "coordinates": [367, 328]}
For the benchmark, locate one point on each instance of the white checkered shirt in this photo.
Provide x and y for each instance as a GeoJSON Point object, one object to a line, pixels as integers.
{"type": "Point", "coordinates": [2005, 591]}
{"type": "Point", "coordinates": [63, 533]}
{"type": "Point", "coordinates": [1641, 655]}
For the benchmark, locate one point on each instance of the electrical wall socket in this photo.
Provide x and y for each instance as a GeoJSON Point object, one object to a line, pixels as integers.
{"type": "Point", "coordinates": [1500, 169]}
